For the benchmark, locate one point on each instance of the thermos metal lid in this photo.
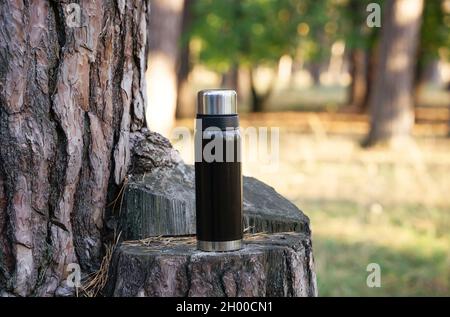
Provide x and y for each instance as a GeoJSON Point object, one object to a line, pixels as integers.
{"type": "Point", "coordinates": [217, 102]}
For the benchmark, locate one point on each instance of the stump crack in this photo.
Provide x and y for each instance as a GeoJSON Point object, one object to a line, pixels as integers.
{"type": "Point", "coordinates": [188, 275]}
{"type": "Point", "coordinates": [262, 269]}
{"type": "Point", "coordinates": [289, 275]}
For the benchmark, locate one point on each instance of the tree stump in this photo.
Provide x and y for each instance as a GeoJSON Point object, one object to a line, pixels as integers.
{"type": "Point", "coordinates": [268, 265]}
{"type": "Point", "coordinates": [157, 213]}
{"type": "Point", "coordinates": [162, 202]}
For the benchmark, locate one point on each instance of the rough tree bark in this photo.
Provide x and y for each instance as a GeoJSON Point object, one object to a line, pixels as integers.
{"type": "Point", "coordinates": [391, 101]}
{"type": "Point", "coordinates": [69, 99]}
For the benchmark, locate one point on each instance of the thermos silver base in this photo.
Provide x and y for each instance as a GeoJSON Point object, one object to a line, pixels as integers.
{"type": "Point", "coordinates": [219, 246]}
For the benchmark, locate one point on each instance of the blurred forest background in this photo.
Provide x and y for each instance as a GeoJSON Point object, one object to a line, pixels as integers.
{"type": "Point", "coordinates": [363, 114]}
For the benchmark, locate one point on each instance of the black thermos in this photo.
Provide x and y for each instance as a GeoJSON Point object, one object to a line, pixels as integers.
{"type": "Point", "coordinates": [218, 175]}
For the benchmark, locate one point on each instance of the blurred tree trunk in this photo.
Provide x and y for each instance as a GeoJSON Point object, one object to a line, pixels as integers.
{"type": "Point", "coordinates": [185, 100]}
{"type": "Point", "coordinates": [358, 88]}
{"type": "Point", "coordinates": [70, 96]}
{"type": "Point", "coordinates": [165, 21]}
{"type": "Point", "coordinates": [361, 97]}
{"type": "Point", "coordinates": [230, 79]}
{"type": "Point", "coordinates": [419, 80]}
{"type": "Point", "coordinates": [315, 69]}
{"type": "Point", "coordinates": [259, 100]}
{"type": "Point", "coordinates": [391, 101]}
{"type": "Point", "coordinates": [372, 64]}
{"type": "Point", "coordinates": [448, 91]}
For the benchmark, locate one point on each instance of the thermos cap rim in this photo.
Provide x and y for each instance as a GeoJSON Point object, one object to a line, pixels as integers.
{"type": "Point", "coordinates": [217, 102]}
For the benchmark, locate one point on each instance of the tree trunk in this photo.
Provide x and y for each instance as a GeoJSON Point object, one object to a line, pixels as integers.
{"type": "Point", "coordinates": [259, 100]}
{"type": "Point", "coordinates": [372, 64]}
{"type": "Point", "coordinates": [230, 79]}
{"type": "Point", "coordinates": [165, 21]}
{"type": "Point", "coordinates": [419, 82]}
{"type": "Point", "coordinates": [358, 88]}
{"type": "Point", "coordinates": [315, 69]}
{"type": "Point", "coordinates": [391, 101]}
{"type": "Point", "coordinates": [448, 134]}
{"type": "Point", "coordinates": [69, 98]}
{"type": "Point", "coordinates": [185, 103]}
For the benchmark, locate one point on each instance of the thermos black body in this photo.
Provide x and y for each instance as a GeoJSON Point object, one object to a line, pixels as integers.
{"type": "Point", "coordinates": [218, 174]}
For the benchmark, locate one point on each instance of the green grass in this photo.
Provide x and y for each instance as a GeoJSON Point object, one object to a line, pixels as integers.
{"type": "Point", "coordinates": [410, 243]}
{"type": "Point", "coordinates": [381, 206]}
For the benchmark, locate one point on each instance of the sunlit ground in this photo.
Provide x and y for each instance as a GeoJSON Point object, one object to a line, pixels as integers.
{"type": "Point", "coordinates": [390, 207]}
{"type": "Point", "coordinates": [370, 209]}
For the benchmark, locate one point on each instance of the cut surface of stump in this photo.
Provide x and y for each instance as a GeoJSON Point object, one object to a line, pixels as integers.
{"type": "Point", "coordinates": [163, 203]}
{"type": "Point", "coordinates": [268, 265]}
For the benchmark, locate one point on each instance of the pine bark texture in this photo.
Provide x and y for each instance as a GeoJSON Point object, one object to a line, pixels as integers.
{"type": "Point", "coordinates": [69, 99]}
{"type": "Point", "coordinates": [391, 101]}
{"type": "Point", "coordinates": [269, 265]}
